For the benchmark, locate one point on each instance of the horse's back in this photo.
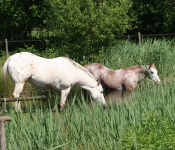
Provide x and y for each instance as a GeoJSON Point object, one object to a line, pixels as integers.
{"type": "Point", "coordinates": [24, 65]}
{"type": "Point", "coordinates": [56, 72]}
{"type": "Point", "coordinates": [95, 69]}
{"type": "Point", "coordinates": [110, 79]}
{"type": "Point", "coordinates": [28, 62]}
{"type": "Point", "coordinates": [20, 66]}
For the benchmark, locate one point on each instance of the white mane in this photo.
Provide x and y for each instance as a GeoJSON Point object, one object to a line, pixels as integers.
{"type": "Point", "coordinates": [80, 67]}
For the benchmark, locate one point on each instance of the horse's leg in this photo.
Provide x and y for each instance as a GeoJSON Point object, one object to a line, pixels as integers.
{"type": "Point", "coordinates": [85, 95]}
{"type": "Point", "coordinates": [16, 93]}
{"type": "Point", "coordinates": [64, 94]}
{"type": "Point", "coordinates": [114, 96]}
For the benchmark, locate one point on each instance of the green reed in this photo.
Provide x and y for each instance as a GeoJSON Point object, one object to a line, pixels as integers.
{"type": "Point", "coordinates": [145, 121]}
{"type": "Point", "coordinates": [127, 54]}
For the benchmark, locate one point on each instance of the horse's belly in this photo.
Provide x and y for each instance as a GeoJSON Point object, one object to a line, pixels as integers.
{"type": "Point", "coordinates": [118, 88]}
{"type": "Point", "coordinates": [111, 86]}
{"type": "Point", "coordinates": [49, 83]}
{"type": "Point", "coordinates": [41, 84]}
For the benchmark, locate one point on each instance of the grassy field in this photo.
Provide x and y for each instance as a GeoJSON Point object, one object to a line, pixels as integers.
{"type": "Point", "coordinates": [145, 122]}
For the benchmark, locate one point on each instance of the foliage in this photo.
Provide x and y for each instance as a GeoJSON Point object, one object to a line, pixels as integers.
{"type": "Point", "coordinates": [2, 60]}
{"type": "Point", "coordinates": [84, 28]}
{"type": "Point", "coordinates": [18, 18]}
{"type": "Point", "coordinates": [153, 16]}
{"type": "Point", "coordinates": [81, 30]}
{"type": "Point", "coordinates": [78, 29]}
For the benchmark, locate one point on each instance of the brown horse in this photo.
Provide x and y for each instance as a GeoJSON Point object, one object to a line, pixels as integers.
{"type": "Point", "coordinates": [123, 80]}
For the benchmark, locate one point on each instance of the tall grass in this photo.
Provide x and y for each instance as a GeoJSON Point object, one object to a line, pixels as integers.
{"type": "Point", "coordinates": [145, 121]}
{"type": "Point", "coordinates": [127, 54]}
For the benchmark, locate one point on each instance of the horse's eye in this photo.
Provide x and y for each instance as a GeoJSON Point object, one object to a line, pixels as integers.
{"type": "Point", "coordinates": [101, 92]}
{"type": "Point", "coordinates": [152, 72]}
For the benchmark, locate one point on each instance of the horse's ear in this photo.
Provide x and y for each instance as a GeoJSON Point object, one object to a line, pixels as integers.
{"type": "Point", "coordinates": [98, 82]}
{"type": "Point", "coordinates": [152, 64]}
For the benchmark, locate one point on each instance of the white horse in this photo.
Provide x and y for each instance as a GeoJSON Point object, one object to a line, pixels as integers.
{"type": "Point", "coordinates": [59, 73]}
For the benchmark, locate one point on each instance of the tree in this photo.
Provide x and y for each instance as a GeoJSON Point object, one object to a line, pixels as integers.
{"type": "Point", "coordinates": [78, 28]}
{"type": "Point", "coordinates": [18, 17]}
{"type": "Point", "coordinates": [86, 27]}
{"type": "Point", "coordinates": [153, 16]}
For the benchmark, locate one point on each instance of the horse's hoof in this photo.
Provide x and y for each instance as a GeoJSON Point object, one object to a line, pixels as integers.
{"type": "Point", "coordinates": [60, 108]}
{"type": "Point", "coordinates": [53, 110]}
{"type": "Point", "coordinates": [104, 106]}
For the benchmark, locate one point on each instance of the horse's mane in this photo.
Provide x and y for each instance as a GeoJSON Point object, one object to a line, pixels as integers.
{"type": "Point", "coordinates": [152, 65]}
{"type": "Point", "coordinates": [80, 67]}
{"type": "Point", "coordinates": [133, 67]}
{"type": "Point", "coordinates": [139, 66]}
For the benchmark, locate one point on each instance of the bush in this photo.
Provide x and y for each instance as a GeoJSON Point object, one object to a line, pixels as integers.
{"type": "Point", "coordinates": [85, 28]}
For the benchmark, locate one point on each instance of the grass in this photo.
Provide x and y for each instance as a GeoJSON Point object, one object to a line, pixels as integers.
{"type": "Point", "coordinates": [145, 122]}
{"type": "Point", "coordinates": [127, 54]}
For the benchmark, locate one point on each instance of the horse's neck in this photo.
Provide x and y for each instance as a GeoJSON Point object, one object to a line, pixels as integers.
{"type": "Point", "coordinates": [85, 79]}
{"type": "Point", "coordinates": [137, 72]}
{"type": "Point", "coordinates": [141, 73]}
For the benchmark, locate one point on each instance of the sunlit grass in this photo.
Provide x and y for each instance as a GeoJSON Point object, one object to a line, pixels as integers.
{"type": "Point", "coordinates": [144, 122]}
{"type": "Point", "coordinates": [127, 54]}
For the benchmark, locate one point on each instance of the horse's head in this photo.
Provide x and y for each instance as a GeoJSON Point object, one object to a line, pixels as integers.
{"type": "Point", "coordinates": [151, 72]}
{"type": "Point", "coordinates": [96, 92]}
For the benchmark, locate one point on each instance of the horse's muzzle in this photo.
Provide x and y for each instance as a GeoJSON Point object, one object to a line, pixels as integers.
{"type": "Point", "coordinates": [105, 106]}
{"type": "Point", "coordinates": [158, 82]}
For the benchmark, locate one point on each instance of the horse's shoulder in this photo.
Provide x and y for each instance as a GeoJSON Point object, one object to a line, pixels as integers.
{"type": "Point", "coordinates": [97, 65]}
{"type": "Point", "coordinates": [109, 70]}
{"type": "Point", "coordinates": [94, 66]}
{"type": "Point", "coordinates": [131, 69]}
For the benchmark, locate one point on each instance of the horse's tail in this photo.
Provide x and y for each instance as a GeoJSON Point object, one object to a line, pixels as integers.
{"type": "Point", "coordinates": [4, 76]}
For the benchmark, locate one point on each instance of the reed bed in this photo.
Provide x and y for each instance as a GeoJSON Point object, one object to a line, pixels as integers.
{"type": "Point", "coordinates": [145, 121]}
